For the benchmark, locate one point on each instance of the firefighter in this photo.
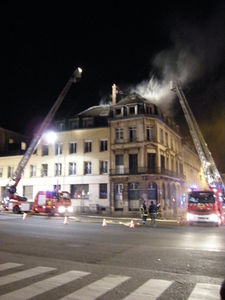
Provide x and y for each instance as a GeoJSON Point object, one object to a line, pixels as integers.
{"type": "Point", "coordinates": [152, 212]}
{"type": "Point", "coordinates": [144, 213]}
{"type": "Point", "coordinates": [49, 207]}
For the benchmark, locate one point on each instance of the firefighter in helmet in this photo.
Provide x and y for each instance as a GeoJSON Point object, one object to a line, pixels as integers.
{"type": "Point", "coordinates": [144, 213]}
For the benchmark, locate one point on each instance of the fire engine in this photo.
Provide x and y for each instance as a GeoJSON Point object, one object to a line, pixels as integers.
{"type": "Point", "coordinates": [52, 203]}
{"type": "Point", "coordinates": [203, 205]}
{"type": "Point", "coordinates": [13, 201]}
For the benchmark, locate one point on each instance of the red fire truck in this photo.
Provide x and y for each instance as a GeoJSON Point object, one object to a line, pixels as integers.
{"type": "Point", "coordinates": [205, 206]}
{"type": "Point", "coordinates": [53, 203]}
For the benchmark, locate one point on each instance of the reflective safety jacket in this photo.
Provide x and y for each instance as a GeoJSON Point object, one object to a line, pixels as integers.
{"type": "Point", "coordinates": [144, 211]}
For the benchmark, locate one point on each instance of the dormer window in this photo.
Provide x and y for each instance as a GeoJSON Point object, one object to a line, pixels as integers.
{"type": "Point", "coordinates": [132, 110]}
{"type": "Point", "coordinates": [118, 111]}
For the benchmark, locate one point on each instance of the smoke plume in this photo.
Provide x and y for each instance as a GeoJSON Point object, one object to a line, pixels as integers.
{"type": "Point", "coordinates": [194, 52]}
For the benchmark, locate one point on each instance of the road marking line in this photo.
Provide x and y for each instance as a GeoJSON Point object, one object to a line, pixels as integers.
{"type": "Point", "coordinates": [9, 265]}
{"type": "Point", "coordinates": [24, 274]}
{"type": "Point", "coordinates": [43, 286]}
{"type": "Point", "coordinates": [205, 291]}
{"type": "Point", "coordinates": [150, 290]}
{"type": "Point", "coordinates": [97, 288]}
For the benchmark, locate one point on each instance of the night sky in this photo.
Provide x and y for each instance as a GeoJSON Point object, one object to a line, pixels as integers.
{"type": "Point", "coordinates": [141, 47]}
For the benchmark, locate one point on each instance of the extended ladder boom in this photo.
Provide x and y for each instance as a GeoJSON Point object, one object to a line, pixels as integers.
{"type": "Point", "coordinates": [34, 143]}
{"type": "Point", "coordinates": [210, 170]}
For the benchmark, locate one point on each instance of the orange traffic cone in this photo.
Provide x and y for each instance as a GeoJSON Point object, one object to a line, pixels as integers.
{"type": "Point", "coordinates": [104, 224]}
{"type": "Point", "coordinates": [131, 224]}
{"type": "Point", "coordinates": [24, 216]}
{"type": "Point", "coordinates": [66, 220]}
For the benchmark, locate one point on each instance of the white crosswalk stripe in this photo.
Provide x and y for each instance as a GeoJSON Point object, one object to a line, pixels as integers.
{"type": "Point", "coordinates": [97, 288]}
{"type": "Point", "coordinates": [24, 274]}
{"type": "Point", "coordinates": [43, 286]}
{"type": "Point", "coordinates": [9, 265]}
{"type": "Point", "coordinates": [204, 291]}
{"type": "Point", "coordinates": [150, 290]}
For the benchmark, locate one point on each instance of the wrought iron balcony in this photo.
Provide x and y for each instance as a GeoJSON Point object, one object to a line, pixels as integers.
{"type": "Point", "coordinates": [143, 170]}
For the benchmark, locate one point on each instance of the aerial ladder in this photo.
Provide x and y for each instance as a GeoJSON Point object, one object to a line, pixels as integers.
{"type": "Point", "coordinates": [210, 170]}
{"type": "Point", "coordinates": [13, 182]}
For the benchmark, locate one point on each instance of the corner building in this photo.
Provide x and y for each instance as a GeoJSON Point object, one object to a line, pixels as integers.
{"type": "Point", "coordinates": [111, 158]}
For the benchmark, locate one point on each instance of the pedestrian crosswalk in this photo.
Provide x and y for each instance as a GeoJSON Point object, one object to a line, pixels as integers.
{"type": "Point", "coordinates": [149, 290]}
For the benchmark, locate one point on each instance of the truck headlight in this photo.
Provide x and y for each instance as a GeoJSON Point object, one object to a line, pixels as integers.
{"type": "Point", "coordinates": [214, 218]}
{"type": "Point", "coordinates": [61, 209]}
{"type": "Point", "coordinates": [70, 209]}
{"type": "Point", "coordinates": [189, 217]}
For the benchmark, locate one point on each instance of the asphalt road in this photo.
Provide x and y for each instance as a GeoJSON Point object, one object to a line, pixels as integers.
{"type": "Point", "coordinates": [113, 262]}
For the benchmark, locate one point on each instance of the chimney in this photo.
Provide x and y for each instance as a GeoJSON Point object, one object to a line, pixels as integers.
{"type": "Point", "coordinates": [114, 94]}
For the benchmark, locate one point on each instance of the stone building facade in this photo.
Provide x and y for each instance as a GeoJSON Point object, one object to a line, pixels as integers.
{"type": "Point", "coordinates": [111, 158]}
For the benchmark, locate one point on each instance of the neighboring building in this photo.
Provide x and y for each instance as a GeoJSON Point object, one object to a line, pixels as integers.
{"type": "Point", "coordinates": [111, 158]}
{"type": "Point", "coordinates": [11, 142]}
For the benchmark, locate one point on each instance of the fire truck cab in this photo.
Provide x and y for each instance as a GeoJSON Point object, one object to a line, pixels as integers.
{"type": "Point", "coordinates": [53, 203]}
{"type": "Point", "coordinates": [205, 206]}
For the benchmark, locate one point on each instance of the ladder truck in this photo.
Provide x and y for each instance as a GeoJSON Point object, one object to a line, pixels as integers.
{"type": "Point", "coordinates": [13, 201]}
{"type": "Point", "coordinates": [203, 205]}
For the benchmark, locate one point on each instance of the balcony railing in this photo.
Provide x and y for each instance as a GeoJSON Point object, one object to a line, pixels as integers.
{"type": "Point", "coordinates": [144, 170]}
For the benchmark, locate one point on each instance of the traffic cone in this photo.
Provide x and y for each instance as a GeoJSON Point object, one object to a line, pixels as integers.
{"type": "Point", "coordinates": [24, 216]}
{"type": "Point", "coordinates": [66, 220]}
{"type": "Point", "coordinates": [104, 224]}
{"type": "Point", "coordinates": [131, 224]}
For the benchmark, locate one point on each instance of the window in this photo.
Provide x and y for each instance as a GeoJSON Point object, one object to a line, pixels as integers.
{"type": "Point", "coordinates": [58, 148]}
{"type": "Point", "coordinates": [1, 171]}
{"type": "Point", "coordinates": [87, 122]}
{"type": "Point", "coordinates": [74, 123]}
{"type": "Point", "coordinates": [32, 171]}
{"type": "Point", "coordinates": [28, 191]}
{"type": "Point", "coordinates": [87, 146]}
{"type": "Point", "coordinates": [161, 136]}
{"type": "Point", "coordinates": [119, 164]}
{"type": "Point", "coordinates": [72, 147]}
{"type": "Point", "coordinates": [72, 168]}
{"type": "Point", "coordinates": [149, 110]}
{"type": "Point", "coordinates": [133, 163]}
{"type": "Point", "coordinates": [103, 190]}
{"type": "Point", "coordinates": [119, 134]}
{"type": "Point", "coordinates": [58, 169]}
{"type": "Point", "coordinates": [119, 188]}
{"type": "Point", "coordinates": [132, 134]}
{"type": "Point", "coordinates": [80, 191]}
{"type": "Point", "coordinates": [103, 145]}
{"type": "Point", "coordinates": [10, 171]}
{"type": "Point", "coordinates": [162, 162]}
{"type": "Point", "coordinates": [150, 131]}
{"type": "Point", "coordinates": [132, 110]}
{"type": "Point", "coordinates": [167, 141]}
{"type": "Point", "coordinates": [171, 143]}
{"type": "Point", "coordinates": [61, 126]}
{"type": "Point", "coordinates": [118, 111]}
{"type": "Point", "coordinates": [151, 161]}
{"type": "Point", "coordinates": [87, 167]}
{"type": "Point", "coordinates": [44, 170]}
{"type": "Point", "coordinates": [103, 167]}
{"type": "Point", "coordinates": [181, 169]}
{"type": "Point", "coordinates": [23, 146]}
{"type": "Point", "coordinates": [44, 150]}
{"type": "Point", "coordinates": [172, 164]}
{"type": "Point", "coordinates": [133, 191]}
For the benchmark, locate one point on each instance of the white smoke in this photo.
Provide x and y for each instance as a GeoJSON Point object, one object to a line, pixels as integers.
{"type": "Point", "coordinates": [194, 52]}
